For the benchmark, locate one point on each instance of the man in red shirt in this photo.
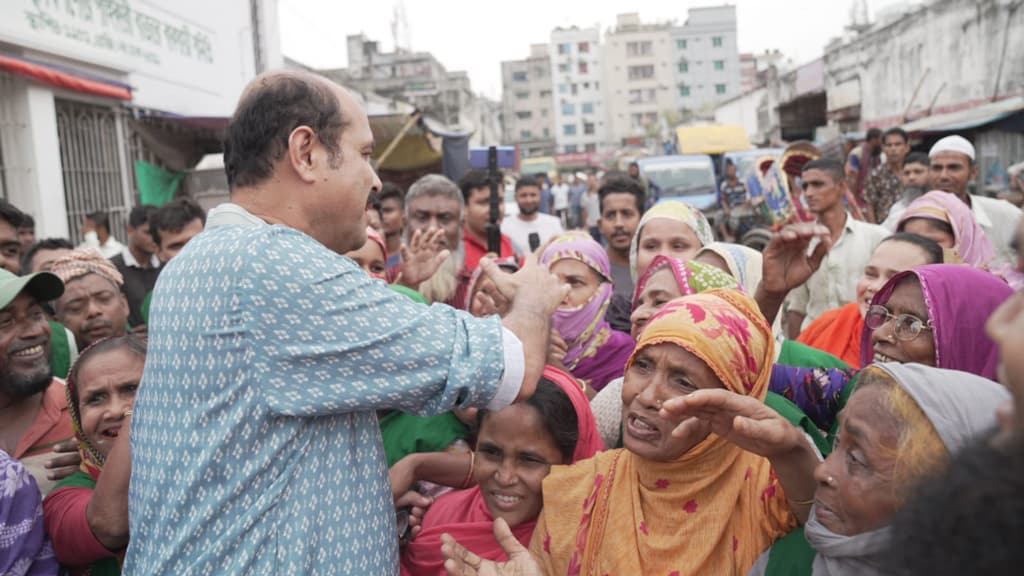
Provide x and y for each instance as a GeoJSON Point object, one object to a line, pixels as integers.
{"type": "Point", "coordinates": [476, 191]}
{"type": "Point", "coordinates": [33, 404]}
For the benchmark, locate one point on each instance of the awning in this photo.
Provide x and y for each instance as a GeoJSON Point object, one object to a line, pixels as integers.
{"type": "Point", "coordinates": [967, 119]}
{"type": "Point", "coordinates": [419, 145]}
{"type": "Point", "coordinates": [65, 78]}
{"type": "Point", "coordinates": [713, 139]}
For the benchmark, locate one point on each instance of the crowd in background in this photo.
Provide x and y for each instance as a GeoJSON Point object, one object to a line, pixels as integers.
{"type": "Point", "coordinates": [850, 400]}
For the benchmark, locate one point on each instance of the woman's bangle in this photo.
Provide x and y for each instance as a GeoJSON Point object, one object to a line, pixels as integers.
{"type": "Point", "coordinates": [469, 474]}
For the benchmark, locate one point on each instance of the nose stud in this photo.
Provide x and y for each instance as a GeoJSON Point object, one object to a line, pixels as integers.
{"type": "Point", "coordinates": [830, 481]}
{"type": "Point", "coordinates": [658, 402]}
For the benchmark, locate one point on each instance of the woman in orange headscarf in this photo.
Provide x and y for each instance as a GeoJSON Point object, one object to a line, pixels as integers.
{"type": "Point", "coordinates": [685, 504]}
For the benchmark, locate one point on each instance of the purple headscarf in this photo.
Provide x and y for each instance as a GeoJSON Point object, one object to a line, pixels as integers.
{"type": "Point", "coordinates": [960, 300]}
{"type": "Point", "coordinates": [596, 352]}
{"type": "Point", "coordinates": [24, 548]}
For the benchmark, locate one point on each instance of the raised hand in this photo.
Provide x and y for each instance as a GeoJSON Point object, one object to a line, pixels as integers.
{"type": "Point", "coordinates": [557, 349]}
{"type": "Point", "coordinates": [787, 264]}
{"type": "Point", "coordinates": [422, 258]}
{"type": "Point", "coordinates": [461, 562]}
{"type": "Point", "coordinates": [533, 285]}
{"type": "Point", "coordinates": [742, 420]}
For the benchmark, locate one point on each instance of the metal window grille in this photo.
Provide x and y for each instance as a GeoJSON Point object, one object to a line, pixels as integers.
{"type": "Point", "coordinates": [94, 164]}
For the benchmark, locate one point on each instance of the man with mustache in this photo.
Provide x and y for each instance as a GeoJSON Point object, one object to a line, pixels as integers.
{"type": "Point", "coordinates": [93, 306]}
{"type": "Point", "coordinates": [621, 201]}
{"type": "Point", "coordinates": [952, 168]}
{"type": "Point", "coordinates": [531, 218]}
{"type": "Point", "coordinates": [434, 207]}
{"type": "Point", "coordinates": [33, 405]}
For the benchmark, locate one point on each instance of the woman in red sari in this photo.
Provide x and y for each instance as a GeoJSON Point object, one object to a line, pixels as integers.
{"type": "Point", "coordinates": [516, 449]}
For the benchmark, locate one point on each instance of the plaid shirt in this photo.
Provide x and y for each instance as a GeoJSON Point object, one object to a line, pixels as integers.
{"type": "Point", "coordinates": [883, 189]}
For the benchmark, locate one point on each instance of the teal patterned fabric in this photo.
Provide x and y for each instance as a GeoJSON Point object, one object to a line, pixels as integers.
{"type": "Point", "coordinates": [255, 442]}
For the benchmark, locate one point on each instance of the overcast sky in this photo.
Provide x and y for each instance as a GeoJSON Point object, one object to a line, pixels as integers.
{"type": "Point", "coordinates": [313, 31]}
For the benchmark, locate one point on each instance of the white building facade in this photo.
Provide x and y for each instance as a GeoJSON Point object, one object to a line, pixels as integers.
{"type": "Point", "coordinates": [640, 90]}
{"type": "Point", "coordinates": [706, 59]}
{"type": "Point", "coordinates": [581, 122]}
{"type": "Point", "coordinates": [527, 102]}
{"type": "Point", "coordinates": [87, 88]}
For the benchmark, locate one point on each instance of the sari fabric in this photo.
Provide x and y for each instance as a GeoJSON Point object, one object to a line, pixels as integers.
{"type": "Point", "coordinates": [970, 242]}
{"type": "Point", "coordinates": [745, 264]}
{"type": "Point", "coordinates": [960, 300]}
{"type": "Point", "coordinates": [671, 210]}
{"type": "Point", "coordinates": [837, 332]}
{"type": "Point", "coordinates": [86, 477]}
{"type": "Point", "coordinates": [712, 511]}
{"type": "Point", "coordinates": [596, 353]}
{"type": "Point", "coordinates": [464, 514]}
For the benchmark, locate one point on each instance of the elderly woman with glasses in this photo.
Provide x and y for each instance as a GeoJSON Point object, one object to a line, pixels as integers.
{"type": "Point", "coordinates": [935, 315]}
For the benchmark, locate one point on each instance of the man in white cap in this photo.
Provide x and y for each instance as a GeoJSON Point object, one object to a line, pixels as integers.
{"type": "Point", "coordinates": [951, 168]}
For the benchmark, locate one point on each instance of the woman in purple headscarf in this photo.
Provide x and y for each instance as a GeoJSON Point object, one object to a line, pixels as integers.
{"type": "Point", "coordinates": [935, 315]}
{"type": "Point", "coordinates": [582, 341]}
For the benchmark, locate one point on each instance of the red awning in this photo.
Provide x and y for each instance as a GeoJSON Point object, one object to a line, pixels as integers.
{"type": "Point", "coordinates": [61, 79]}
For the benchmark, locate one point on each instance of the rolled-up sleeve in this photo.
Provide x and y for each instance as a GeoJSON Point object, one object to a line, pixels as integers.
{"type": "Point", "coordinates": [328, 339]}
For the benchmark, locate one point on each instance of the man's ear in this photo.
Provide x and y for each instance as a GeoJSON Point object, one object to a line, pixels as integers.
{"type": "Point", "coordinates": [301, 144]}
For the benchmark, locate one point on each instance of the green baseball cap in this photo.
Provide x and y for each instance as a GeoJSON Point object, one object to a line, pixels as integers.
{"type": "Point", "coordinates": [44, 286]}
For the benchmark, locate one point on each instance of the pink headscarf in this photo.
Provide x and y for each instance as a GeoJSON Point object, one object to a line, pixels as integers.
{"type": "Point", "coordinates": [960, 300]}
{"type": "Point", "coordinates": [373, 236]}
{"type": "Point", "coordinates": [464, 514]}
{"type": "Point", "coordinates": [583, 328]}
{"type": "Point", "coordinates": [970, 241]}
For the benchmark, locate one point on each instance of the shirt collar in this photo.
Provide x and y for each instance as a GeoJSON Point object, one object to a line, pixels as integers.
{"type": "Point", "coordinates": [229, 214]}
{"type": "Point", "coordinates": [131, 262]}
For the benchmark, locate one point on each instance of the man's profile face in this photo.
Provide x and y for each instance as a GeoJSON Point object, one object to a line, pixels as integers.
{"type": "Point", "coordinates": [140, 239]}
{"type": "Point", "coordinates": [171, 243]}
{"type": "Point", "coordinates": [10, 248]}
{"type": "Point", "coordinates": [335, 210]}
{"type": "Point", "coordinates": [478, 211]}
{"type": "Point", "coordinates": [392, 219]}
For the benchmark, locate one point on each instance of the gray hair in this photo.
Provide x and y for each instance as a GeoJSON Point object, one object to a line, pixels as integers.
{"type": "Point", "coordinates": [433, 185]}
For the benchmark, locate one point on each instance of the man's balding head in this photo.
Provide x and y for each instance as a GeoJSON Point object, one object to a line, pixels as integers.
{"type": "Point", "coordinates": [299, 153]}
{"type": "Point", "coordinates": [271, 107]}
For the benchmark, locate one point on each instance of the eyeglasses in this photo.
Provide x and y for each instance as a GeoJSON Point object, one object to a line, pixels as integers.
{"type": "Point", "coordinates": [907, 327]}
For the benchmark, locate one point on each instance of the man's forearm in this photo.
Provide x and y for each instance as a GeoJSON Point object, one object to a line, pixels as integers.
{"type": "Point", "coordinates": [531, 325]}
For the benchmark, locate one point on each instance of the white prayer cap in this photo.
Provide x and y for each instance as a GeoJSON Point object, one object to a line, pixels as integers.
{"type": "Point", "coordinates": [953, 143]}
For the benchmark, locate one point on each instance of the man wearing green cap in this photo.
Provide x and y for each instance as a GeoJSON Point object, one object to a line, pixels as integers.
{"type": "Point", "coordinates": [33, 405]}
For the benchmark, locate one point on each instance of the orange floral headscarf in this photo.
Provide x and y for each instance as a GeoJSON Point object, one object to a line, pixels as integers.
{"type": "Point", "coordinates": [712, 511]}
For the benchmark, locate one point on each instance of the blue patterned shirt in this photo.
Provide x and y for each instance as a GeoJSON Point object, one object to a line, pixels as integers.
{"type": "Point", "coordinates": [255, 442]}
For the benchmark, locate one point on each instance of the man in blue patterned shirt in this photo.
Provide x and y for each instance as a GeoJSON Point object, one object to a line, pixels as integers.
{"type": "Point", "coordinates": [255, 443]}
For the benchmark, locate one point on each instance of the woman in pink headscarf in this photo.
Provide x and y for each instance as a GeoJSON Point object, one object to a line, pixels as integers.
{"type": "Point", "coordinates": [582, 340]}
{"type": "Point", "coordinates": [944, 218]}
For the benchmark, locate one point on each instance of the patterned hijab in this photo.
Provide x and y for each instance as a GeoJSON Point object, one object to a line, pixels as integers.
{"type": "Point", "coordinates": [678, 211]}
{"type": "Point", "coordinates": [373, 236]}
{"type": "Point", "coordinates": [745, 264]}
{"type": "Point", "coordinates": [969, 240]}
{"type": "Point", "coordinates": [713, 510]}
{"type": "Point", "coordinates": [584, 327]}
{"type": "Point", "coordinates": [692, 277]}
{"type": "Point", "coordinates": [961, 407]}
{"type": "Point", "coordinates": [959, 300]}
{"type": "Point", "coordinates": [84, 261]}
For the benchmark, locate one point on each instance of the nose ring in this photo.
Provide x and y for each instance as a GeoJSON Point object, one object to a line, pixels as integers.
{"type": "Point", "coordinates": [830, 481]}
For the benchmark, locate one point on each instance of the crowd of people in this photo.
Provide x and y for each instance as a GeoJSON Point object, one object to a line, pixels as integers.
{"type": "Point", "coordinates": [329, 374]}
